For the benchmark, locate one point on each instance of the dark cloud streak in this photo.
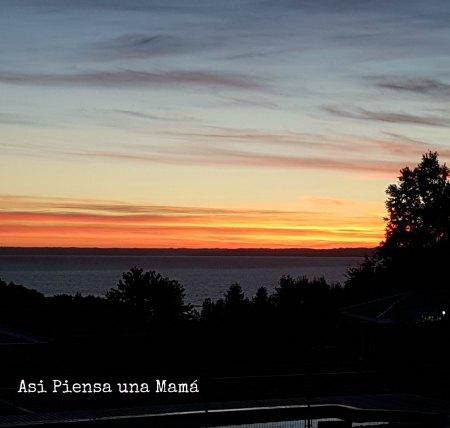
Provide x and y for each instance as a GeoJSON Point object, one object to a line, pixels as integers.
{"type": "Point", "coordinates": [139, 46]}
{"type": "Point", "coordinates": [417, 86]}
{"type": "Point", "coordinates": [133, 78]}
{"type": "Point", "coordinates": [389, 117]}
{"type": "Point", "coordinates": [140, 115]}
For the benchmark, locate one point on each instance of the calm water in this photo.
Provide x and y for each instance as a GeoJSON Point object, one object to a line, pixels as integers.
{"type": "Point", "coordinates": [202, 276]}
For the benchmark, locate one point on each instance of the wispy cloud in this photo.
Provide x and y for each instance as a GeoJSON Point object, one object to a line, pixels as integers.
{"type": "Point", "coordinates": [404, 146]}
{"type": "Point", "coordinates": [133, 78]}
{"type": "Point", "coordinates": [139, 46]}
{"type": "Point", "coordinates": [224, 147]}
{"type": "Point", "coordinates": [389, 117]}
{"type": "Point", "coordinates": [24, 203]}
{"type": "Point", "coordinates": [17, 119]}
{"type": "Point", "coordinates": [432, 87]}
{"type": "Point", "coordinates": [241, 157]}
{"type": "Point", "coordinates": [335, 146]}
{"type": "Point", "coordinates": [140, 115]}
{"type": "Point", "coordinates": [250, 102]}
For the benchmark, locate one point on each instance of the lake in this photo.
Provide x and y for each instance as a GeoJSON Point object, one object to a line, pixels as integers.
{"type": "Point", "coordinates": [202, 275]}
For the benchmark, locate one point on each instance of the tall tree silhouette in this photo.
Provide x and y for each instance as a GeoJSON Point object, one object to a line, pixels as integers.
{"type": "Point", "coordinates": [415, 250]}
{"type": "Point", "coordinates": [418, 206]}
{"type": "Point", "coordinates": [234, 297]}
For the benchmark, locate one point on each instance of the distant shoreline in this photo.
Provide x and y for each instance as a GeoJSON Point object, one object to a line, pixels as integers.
{"type": "Point", "coordinates": [272, 252]}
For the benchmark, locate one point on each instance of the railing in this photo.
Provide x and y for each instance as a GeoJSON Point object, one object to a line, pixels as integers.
{"type": "Point", "coordinates": [232, 416]}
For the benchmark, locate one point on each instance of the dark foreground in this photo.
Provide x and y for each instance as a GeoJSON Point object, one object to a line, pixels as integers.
{"type": "Point", "coordinates": [237, 361]}
{"type": "Point", "coordinates": [281, 380]}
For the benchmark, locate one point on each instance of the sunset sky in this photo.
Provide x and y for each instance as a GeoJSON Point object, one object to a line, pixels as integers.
{"type": "Point", "coordinates": [214, 123]}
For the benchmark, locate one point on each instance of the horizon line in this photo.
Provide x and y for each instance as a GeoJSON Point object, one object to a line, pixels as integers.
{"type": "Point", "coordinates": [188, 248]}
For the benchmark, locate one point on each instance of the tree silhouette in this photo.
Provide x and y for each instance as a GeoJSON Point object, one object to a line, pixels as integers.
{"type": "Point", "coordinates": [261, 299]}
{"type": "Point", "coordinates": [418, 206]}
{"type": "Point", "coordinates": [415, 250]}
{"type": "Point", "coordinates": [234, 297]}
{"type": "Point", "coordinates": [14, 294]}
{"type": "Point", "coordinates": [149, 292]}
{"type": "Point", "coordinates": [292, 293]}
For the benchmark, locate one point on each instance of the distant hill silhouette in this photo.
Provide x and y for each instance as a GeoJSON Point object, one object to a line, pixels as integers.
{"type": "Point", "coordinates": [304, 252]}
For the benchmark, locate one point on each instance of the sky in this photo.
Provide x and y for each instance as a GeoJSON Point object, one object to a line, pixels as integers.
{"type": "Point", "coordinates": [215, 124]}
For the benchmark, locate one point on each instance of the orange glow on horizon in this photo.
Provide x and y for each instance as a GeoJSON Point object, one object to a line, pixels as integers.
{"type": "Point", "coordinates": [30, 222]}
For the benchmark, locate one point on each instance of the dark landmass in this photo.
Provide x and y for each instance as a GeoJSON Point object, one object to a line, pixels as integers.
{"type": "Point", "coordinates": [306, 339]}
{"type": "Point", "coordinates": [272, 252]}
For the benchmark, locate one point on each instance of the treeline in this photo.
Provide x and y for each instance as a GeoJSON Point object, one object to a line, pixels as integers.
{"type": "Point", "coordinates": [145, 320]}
{"type": "Point", "coordinates": [145, 302]}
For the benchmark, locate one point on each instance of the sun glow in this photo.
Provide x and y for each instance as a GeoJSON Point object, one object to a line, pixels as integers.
{"type": "Point", "coordinates": [80, 223]}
